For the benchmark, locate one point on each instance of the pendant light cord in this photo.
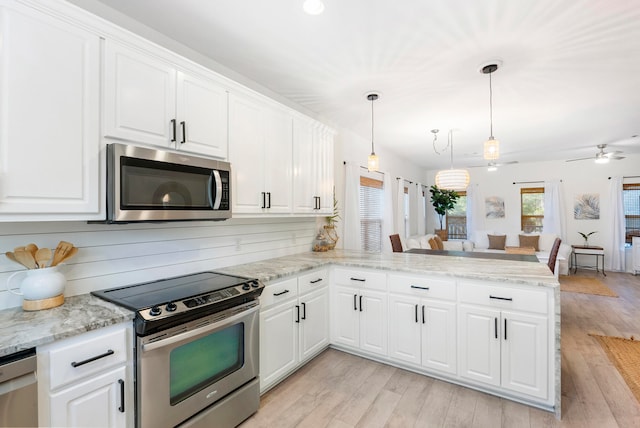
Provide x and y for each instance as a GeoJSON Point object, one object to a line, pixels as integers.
{"type": "Point", "coordinates": [490, 107]}
{"type": "Point", "coordinates": [372, 149]}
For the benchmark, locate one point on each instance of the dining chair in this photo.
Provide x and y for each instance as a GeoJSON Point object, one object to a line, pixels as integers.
{"type": "Point", "coordinates": [553, 255]}
{"type": "Point", "coordinates": [396, 244]}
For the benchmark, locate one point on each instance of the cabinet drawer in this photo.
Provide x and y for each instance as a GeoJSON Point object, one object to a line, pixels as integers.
{"type": "Point", "coordinates": [87, 354]}
{"type": "Point", "coordinates": [360, 278]}
{"type": "Point", "coordinates": [503, 297]}
{"type": "Point", "coordinates": [277, 292]}
{"type": "Point", "coordinates": [436, 288]}
{"type": "Point", "coordinates": [313, 281]}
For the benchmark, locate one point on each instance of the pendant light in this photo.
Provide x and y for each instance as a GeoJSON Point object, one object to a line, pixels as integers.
{"type": "Point", "coordinates": [451, 179]}
{"type": "Point", "coordinates": [373, 163]}
{"type": "Point", "coordinates": [491, 146]}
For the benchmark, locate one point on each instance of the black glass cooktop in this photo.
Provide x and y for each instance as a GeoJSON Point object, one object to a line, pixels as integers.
{"type": "Point", "coordinates": [148, 294]}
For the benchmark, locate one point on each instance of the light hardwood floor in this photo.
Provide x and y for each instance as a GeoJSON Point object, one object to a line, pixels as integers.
{"type": "Point", "coordinates": [337, 389]}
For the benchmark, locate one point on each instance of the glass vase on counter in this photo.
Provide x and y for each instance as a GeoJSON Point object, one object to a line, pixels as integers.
{"type": "Point", "coordinates": [320, 243]}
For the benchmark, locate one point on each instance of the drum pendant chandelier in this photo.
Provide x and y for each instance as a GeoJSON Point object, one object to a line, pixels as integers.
{"type": "Point", "coordinates": [451, 179]}
{"type": "Point", "coordinates": [491, 146]}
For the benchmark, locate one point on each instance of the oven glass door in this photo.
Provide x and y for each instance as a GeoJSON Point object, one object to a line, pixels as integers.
{"type": "Point", "coordinates": [198, 364]}
{"type": "Point", "coordinates": [187, 368]}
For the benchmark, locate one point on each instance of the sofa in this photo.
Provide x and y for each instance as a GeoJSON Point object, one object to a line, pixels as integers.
{"type": "Point", "coordinates": [490, 241]}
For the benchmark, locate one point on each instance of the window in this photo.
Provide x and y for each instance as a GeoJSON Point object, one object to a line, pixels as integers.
{"type": "Point", "coordinates": [457, 218]}
{"type": "Point", "coordinates": [532, 209]}
{"type": "Point", "coordinates": [631, 201]}
{"type": "Point", "coordinates": [371, 214]}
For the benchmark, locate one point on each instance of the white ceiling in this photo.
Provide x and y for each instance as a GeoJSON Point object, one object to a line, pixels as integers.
{"type": "Point", "coordinates": [570, 77]}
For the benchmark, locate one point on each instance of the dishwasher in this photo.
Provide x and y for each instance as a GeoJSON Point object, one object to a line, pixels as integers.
{"type": "Point", "coordinates": [19, 390]}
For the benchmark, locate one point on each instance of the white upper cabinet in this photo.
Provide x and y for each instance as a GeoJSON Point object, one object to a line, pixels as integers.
{"type": "Point", "coordinates": [150, 100]}
{"type": "Point", "coordinates": [49, 99]}
{"type": "Point", "coordinates": [260, 137]}
{"type": "Point", "coordinates": [313, 167]}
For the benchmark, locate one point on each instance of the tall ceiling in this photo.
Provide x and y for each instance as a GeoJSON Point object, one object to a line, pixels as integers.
{"type": "Point", "coordinates": [569, 80]}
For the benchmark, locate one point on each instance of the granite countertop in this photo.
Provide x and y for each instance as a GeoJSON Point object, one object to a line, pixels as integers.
{"type": "Point", "coordinates": [22, 330]}
{"type": "Point", "coordinates": [518, 272]}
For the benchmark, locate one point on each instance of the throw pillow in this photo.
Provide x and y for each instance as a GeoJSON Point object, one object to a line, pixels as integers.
{"type": "Point", "coordinates": [439, 242]}
{"type": "Point", "coordinates": [433, 244]}
{"type": "Point", "coordinates": [530, 241]}
{"type": "Point", "coordinates": [496, 242]}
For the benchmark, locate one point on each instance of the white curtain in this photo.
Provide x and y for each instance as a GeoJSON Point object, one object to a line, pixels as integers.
{"type": "Point", "coordinates": [387, 212]}
{"type": "Point", "coordinates": [399, 207]}
{"type": "Point", "coordinates": [552, 222]}
{"type": "Point", "coordinates": [475, 211]}
{"type": "Point", "coordinates": [352, 240]}
{"type": "Point", "coordinates": [420, 217]}
{"type": "Point", "coordinates": [616, 234]}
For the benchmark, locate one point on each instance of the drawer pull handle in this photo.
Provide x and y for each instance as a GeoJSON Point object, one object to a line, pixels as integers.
{"type": "Point", "coordinates": [316, 281]}
{"type": "Point", "coordinates": [121, 408]}
{"type": "Point", "coordinates": [281, 293]}
{"type": "Point", "coordinates": [419, 288]}
{"type": "Point", "coordinates": [92, 359]}
{"type": "Point", "coordinates": [358, 279]}
{"type": "Point", "coordinates": [509, 299]}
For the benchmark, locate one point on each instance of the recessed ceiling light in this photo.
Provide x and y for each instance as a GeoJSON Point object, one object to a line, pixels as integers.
{"type": "Point", "coordinates": [313, 7]}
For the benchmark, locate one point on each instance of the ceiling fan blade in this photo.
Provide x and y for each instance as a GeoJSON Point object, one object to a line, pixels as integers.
{"type": "Point", "coordinates": [580, 159]}
{"type": "Point", "coordinates": [610, 154]}
{"type": "Point", "coordinates": [505, 163]}
{"type": "Point", "coordinates": [616, 157]}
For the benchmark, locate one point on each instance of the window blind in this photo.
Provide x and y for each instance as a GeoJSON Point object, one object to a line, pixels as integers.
{"type": "Point", "coordinates": [371, 214]}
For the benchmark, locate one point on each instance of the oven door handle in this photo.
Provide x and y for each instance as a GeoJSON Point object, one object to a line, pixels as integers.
{"type": "Point", "coordinates": [147, 347]}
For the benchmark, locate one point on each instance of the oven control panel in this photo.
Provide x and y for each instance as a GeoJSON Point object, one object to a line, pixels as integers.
{"type": "Point", "coordinates": [173, 308]}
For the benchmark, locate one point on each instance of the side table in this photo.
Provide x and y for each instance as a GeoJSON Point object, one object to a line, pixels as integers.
{"type": "Point", "coordinates": [587, 250]}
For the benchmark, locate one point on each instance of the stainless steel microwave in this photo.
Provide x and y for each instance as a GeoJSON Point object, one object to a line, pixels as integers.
{"type": "Point", "coordinates": [146, 185]}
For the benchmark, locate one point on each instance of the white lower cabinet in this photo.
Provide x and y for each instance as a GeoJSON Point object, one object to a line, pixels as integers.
{"type": "Point", "coordinates": [87, 380]}
{"type": "Point", "coordinates": [503, 347]}
{"type": "Point", "coordinates": [422, 322]}
{"type": "Point", "coordinates": [294, 325]}
{"type": "Point", "coordinates": [359, 308]}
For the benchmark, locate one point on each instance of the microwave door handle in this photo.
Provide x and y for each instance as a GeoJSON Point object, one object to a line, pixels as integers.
{"type": "Point", "coordinates": [215, 180]}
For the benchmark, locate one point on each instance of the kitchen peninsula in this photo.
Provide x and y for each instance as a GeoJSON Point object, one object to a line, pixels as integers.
{"type": "Point", "coordinates": [464, 311]}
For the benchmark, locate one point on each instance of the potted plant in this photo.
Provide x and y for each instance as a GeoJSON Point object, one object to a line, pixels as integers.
{"type": "Point", "coordinates": [442, 200]}
{"type": "Point", "coordinates": [330, 227]}
{"type": "Point", "coordinates": [586, 236]}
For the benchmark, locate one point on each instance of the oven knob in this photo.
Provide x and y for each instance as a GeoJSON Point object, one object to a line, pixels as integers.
{"type": "Point", "coordinates": [246, 287]}
{"type": "Point", "coordinates": [155, 311]}
{"type": "Point", "coordinates": [255, 284]}
{"type": "Point", "coordinates": [171, 307]}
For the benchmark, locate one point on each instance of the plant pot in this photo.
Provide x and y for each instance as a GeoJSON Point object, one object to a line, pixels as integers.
{"type": "Point", "coordinates": [442, 233]}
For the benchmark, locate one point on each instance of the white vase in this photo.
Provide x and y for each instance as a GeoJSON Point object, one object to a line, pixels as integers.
{"type": "Point", "coordinates": [39, 284]}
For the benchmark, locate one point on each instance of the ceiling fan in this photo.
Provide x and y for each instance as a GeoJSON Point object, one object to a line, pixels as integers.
{"type": "Point", "coordinates": [601, 156]}
{"type": "Point", "coordinates": [492, 166]}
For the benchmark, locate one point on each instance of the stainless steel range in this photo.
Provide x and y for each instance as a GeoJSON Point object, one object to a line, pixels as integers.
{"type": "Point", "coordinates": [197, 356]}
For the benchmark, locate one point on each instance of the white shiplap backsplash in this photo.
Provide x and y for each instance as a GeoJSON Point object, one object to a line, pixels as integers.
{"type": "Point", "coordinates": [115, 255]}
